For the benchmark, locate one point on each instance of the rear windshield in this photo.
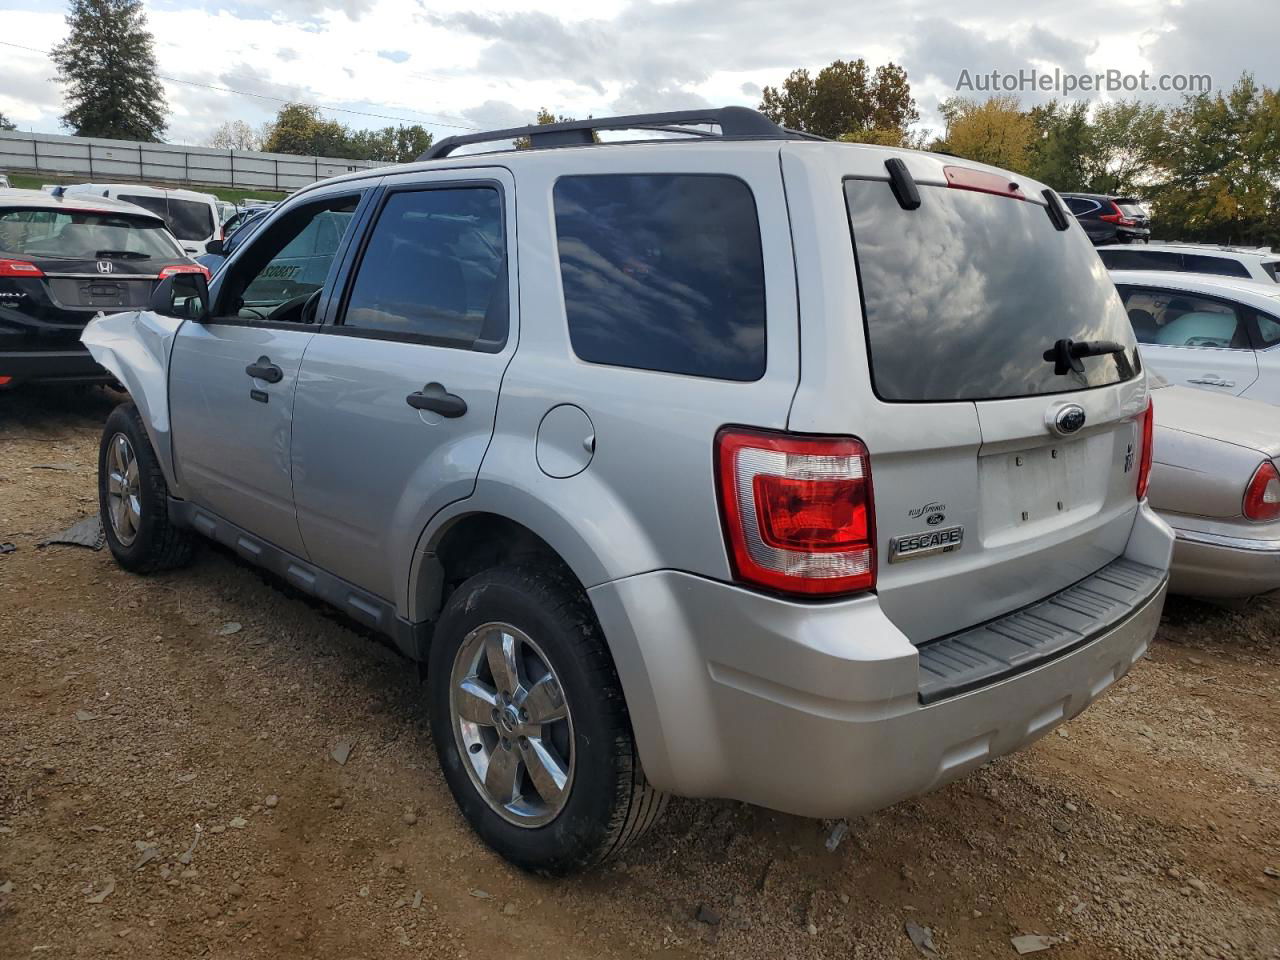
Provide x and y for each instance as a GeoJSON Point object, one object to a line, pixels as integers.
{"type": "Point", "coordinates": [66, 234]}
{"type": "Point", "coordinates": [1131, 208]}
{"type": "Point", "coordinates": [963, 295]}
{"type": "Point", "coordinates": [188, 219]}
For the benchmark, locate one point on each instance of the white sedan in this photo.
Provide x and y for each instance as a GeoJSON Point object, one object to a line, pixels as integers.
{"type": "Point", "coordinates": [1213, 333]}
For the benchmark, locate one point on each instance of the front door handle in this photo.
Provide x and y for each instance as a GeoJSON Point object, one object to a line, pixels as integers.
{"type": "Point", "coordinates": [1212, 381]}
{"type": "Point", "coordinates": [437, 399]}
{"type": "Point", "coordinates": [265, 370]}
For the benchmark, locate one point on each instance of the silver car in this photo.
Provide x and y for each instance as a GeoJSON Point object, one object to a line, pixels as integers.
{"type": "Point", "coordinates": [1216, 482]}
{"type": "Point", "coordinates": [752, 466]}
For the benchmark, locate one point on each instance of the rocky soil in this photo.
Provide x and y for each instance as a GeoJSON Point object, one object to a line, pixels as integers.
{"type": "Point", "coordinates": [170, 787]}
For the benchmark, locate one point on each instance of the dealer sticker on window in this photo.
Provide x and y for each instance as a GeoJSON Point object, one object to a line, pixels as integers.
{"type": "Point", "coordinates": [925, 544]}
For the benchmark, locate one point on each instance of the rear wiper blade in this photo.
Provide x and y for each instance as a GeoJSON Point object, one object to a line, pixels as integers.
{"type": "Point", "coordinates": [1066, 354]}
{"type": "Point", "coordinates": [121, 254]}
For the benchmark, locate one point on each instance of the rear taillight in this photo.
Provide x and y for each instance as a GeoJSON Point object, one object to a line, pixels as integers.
{"type": "Point", "coordinates": [1118, 218]}
{"type": "Point", "coordinates": [1262, 496]}
{"type": "Point", "coordinates": [184, 268]}
{"type": "Point", "coordinates": [19, 268]}
{"type": "Point", "coordinates": [797, 511]}
{"type": "Point", "coordinates": [1148, 441]}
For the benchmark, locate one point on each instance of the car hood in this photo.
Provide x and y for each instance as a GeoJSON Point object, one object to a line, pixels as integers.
{"type": "Point", "coordinates": [1228, 419]}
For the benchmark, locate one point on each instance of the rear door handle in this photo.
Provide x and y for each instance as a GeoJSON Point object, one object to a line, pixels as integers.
{"type": "Point", "coordinates": [1212, 381]}
{"type": "Point", "coordinates": [265, 370]}
{"type": "Point", "coordinates": [437, 399]}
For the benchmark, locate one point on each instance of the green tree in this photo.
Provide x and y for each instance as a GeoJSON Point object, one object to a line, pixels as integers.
{"type": "Point", "coordinates": [6, 123]}
{"type": "Point", "coordinates": [398, 144]}
{"type": "Point", "coordinates": [234, 135]}
{"type": "Point", "coordinates": [107, 66]}
{"type": "Point", "coordinates": [1062, 141]}
{"type": "Point", "coordinates": [300, 129]}
{"type": "Point", "coordinates": [845, 99]}
{"type": "Point", "coordinates": [1221, 167]}
{"type": "Point", "coordinates": [1126, 148]}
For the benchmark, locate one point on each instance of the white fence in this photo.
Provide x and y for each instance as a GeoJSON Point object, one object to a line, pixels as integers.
{"type": "Point", "coordinates": [129, 161]}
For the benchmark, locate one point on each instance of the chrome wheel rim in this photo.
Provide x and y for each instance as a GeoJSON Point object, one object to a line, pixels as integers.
{"type": "Point", "coordinates": [512, 725]}
{"type": "Point", "coordinates": [124, 494]}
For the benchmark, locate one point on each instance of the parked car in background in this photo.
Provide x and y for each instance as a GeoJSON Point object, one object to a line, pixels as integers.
{"type": "Point", "coordinates": [192, 217]}
{"type": "Point", "coordinates": [1215, 481]}
{"type": "Point", "coordinates": [606, 456]}
{"type": "Point", "coordinates": [240, 228]}
{"type": "Point", "coordinates": [4, 182]}
{"type": "Point", "coordinates": [1214, 333]}
{"type": "Point", "coordinates": [1245, 263]}
{"type": "Point", "coordinates": [64, 259]}
{"type": "Point", "coordinates": [1107, 219]}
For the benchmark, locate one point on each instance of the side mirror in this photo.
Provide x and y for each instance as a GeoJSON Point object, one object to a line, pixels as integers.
{"type": "Point", "coordinates": [214, 247]}
{"type": "Point", "coordinates": [182, 295]}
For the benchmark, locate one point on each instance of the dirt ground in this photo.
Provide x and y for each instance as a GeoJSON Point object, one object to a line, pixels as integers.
{"type": "Point", "coordinates": [167, 789]}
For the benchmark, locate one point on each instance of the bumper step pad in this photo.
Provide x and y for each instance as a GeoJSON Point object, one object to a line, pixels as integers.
{"type": "Point", "coordinates": [1035, 634]}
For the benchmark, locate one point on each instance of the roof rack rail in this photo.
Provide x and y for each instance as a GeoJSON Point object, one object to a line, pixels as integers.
{"type": "Point", "coordinates": [735, 123]}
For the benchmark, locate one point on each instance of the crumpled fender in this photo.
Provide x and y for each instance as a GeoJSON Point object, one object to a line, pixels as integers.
{"type": "Point", "coordinates": [135, 347]}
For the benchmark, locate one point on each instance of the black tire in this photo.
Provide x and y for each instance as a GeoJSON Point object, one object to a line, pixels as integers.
{"type": "Point", "coordinates": [610, 804]}
{"type": "Point", "coordinates": [157, 543]}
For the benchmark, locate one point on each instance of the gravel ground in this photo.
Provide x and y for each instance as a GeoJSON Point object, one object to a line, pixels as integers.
{"type": "Point", "coordinates": [168, 788]}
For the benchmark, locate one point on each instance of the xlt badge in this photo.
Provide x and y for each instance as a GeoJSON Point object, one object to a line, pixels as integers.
{"type": "Point", "coordinates": [925, 544]}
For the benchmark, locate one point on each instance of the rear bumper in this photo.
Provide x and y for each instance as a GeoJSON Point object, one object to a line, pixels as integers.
{"type": "Point", "coordinates": [816, 709]}
{"type": "Point", "coordinates": [1223, 567]}
{"type": "Point", "coordinates": [67, 365]}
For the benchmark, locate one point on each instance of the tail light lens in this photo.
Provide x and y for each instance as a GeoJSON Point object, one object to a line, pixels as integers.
{"type": "Point", "coordinates": [1117, 217]}
{"type": "Point", "coordinates": [19, 268]}
{"type": "Point", "coordinates": [797, 511]}
{"type": "Point", "coordinates": [1262, 496]}
{"type": "Point", "coordinates": [184, 268]}
{"type": "Point", "coordinates": [1148, 443]}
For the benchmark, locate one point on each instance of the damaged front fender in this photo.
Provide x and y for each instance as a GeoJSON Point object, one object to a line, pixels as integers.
{"type": "Point", "coordinates": [136, 347]}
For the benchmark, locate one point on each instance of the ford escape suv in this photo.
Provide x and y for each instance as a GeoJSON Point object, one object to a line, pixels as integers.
{"type": "Point", "coordinates": [740, 464]}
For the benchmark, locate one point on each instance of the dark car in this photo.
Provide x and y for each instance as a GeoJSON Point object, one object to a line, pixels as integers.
{"type": "Point", "coordinates": [63, 260]}
{"type": "Point", "coordinates": [238, 229]}
{"type": "Point", "coordinates": [1110, 219]}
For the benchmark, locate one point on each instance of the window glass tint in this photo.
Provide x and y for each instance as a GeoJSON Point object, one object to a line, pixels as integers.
{"type": "Point", "coordinates": [435, 267]}
{"type": "Point", "coordinates": [1273, 269]}
{"type": "Point", "coordinates": [84, 236]}
{"type": "Point", "coordinates": [188, 219]}
{"type": "Point", "coordinates": [285, 262]}
{"type": "Point", "coordinates": [1174, 319]}
{"type": "Point", "coordinates": [1131, 208]}
{"type": "Point", "coordinates": [1140, 260]}
{"type": "Point", "coordinates": [1079, 205]}
{"type": "Point", "coordinates": [663, 272]}
{"type": "Point", "coordinates": [1268, 330]}
{"type": "Point", "coordinates": [1221, 266]}
{"type": "Point", "coordinates": [964, 295]}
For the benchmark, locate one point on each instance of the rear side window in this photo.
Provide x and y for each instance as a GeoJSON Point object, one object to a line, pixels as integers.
{"type": "Point", "coordinates": [1273, 269]}
{"type": "Point", "coordinates": [1140, 260]}
{"type": "Point", "coordinates": [663, 272]}
{"type": "Point", "coordinates": [1221, 266]}
{"type": "Point", "coordinates": [1171, 318]}
{"type": "Point", "coordinates": [435, 270]}
{"type": "Point", "coordinates": [1079, 205]}
{"type": "Point", "coordinates": [187, 219]}
{"type": "Point", "coordinates": [965, 294]}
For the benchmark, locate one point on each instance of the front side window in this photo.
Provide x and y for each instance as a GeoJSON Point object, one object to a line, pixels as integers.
{"type": "Point", "coordinates": [435, 269]}
{"type": "Point", "coordinates": [663, 272]}
{"type": "Point", "coordinates": [73, 235]}
{"type": "Point", "coordinates": [285, 263]}
{"type": "Point", "coordinates": [1171, 318]}
{"type": "Point", "coordinates": [964, 295]}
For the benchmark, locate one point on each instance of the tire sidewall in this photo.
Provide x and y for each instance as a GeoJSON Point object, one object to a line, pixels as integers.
{"type": "Point", "coordinates": [124, 419]}
{"type": "Point", "coordinates": [580, 832]}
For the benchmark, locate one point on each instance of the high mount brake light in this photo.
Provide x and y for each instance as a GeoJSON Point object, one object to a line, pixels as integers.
{"type": "Point", "coordinates": [184, 268]}
{"type": "Point", "coordinates": [965, 178]}
{"type": "Point", "coordinates": [19, 268]}
{"type": "Point", "coordinates": [1262, 496]}
{"type": "Point", "coordinates": [797, 511]}
{"type": "Point", "coordinates": [1148, 442]}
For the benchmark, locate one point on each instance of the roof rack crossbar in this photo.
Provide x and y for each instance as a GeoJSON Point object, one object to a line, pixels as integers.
{"type": "Point", "coordinates": [734, 123]}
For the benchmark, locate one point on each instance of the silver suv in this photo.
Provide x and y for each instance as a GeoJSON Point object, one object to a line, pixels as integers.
{"type": "Point", "coordinates": [740, 465]}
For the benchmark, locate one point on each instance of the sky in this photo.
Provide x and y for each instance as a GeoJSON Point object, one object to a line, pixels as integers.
{"type": "Point", "coordinates": [454, 66]}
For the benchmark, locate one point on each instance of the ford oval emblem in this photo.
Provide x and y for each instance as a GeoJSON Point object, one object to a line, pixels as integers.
{"type": "Point", "coordinates": [1067, 419]}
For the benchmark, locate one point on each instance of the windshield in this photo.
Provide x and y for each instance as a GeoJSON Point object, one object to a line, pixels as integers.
{"type": "Point", "coordinates": [965, 294]}
{"type": "Point", "coordinates": [71, 235]}
{"type": "Point", "coordinates": [188, 219]}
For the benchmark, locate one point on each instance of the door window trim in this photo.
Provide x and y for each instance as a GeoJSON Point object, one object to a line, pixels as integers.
{"type": "Point", "coordinates": [336, 326]}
